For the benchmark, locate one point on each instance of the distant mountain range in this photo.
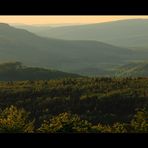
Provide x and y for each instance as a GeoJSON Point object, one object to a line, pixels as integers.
{"type": "Point", "coordinates": [39, 29]}
{"type": "Point", "coordinates": [16, 71]}
{"type": "Point", "coordinates": [70, 56]}
{"type": "Point", "coordinates": [79, 49]}
{"type": "Point", "coordinates": [125, 33]}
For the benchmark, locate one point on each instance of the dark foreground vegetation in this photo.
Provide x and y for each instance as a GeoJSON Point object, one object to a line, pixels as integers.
{"type": "Point", "coordinates": [102, 105]}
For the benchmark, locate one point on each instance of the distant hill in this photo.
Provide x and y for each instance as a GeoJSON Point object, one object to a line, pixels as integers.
{"type": "Point", "coordinates": [125, 33]}
{"type": "Point", "coordinates": [16, 71]}
{"type": "Point", "coordinates": [33, 28]}
{"type": "Point", "coordinates": [66, 55]}
{"type": "Point", "coordinates": [103, 72]}
{"type": "Point", "coordinates": [134, 69]}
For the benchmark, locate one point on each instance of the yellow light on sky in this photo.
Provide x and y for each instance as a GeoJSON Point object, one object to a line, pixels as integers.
{"type": "Point", "coordinates": [54, 19]}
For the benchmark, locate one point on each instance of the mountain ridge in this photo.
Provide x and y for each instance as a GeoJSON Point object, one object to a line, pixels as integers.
{"type": "Point", "coordinates": [124, 33]}
{"type": "Point", "coordinates": [66, 55]}
{"type": "Point", "coordinates": [14, 71]}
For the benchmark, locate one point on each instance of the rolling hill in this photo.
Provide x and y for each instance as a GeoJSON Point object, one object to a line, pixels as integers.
{"type": "Point", "coordinates": [66, 55]}
{"type": "Point", "coordinates": [16, 71]}
{"type": "Point", "coordinates": [134, 69]}
{"type": "Point", "coordinates": [124, 33]}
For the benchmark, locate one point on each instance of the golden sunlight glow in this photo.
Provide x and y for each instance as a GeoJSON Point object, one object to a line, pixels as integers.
{"type": "Point", "coordinates": [53, 19]}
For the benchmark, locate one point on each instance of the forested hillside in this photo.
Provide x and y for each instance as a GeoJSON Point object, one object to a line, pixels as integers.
{"type": "Point", "coordinates": [75, 105]}
{"type": "Point", "coordinates": [13, 71]}
{"type": "Point", "coordinates": [134, 69]}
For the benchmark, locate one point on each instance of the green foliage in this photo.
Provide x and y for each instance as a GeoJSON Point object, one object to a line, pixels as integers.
{"type": "Point", "coordinates": [108, 104]}
{"type": "Point", "coordinates": [98, 100]}
{"type": "Point", "coordinates": [139, 123]}
{"type": "Point", "coordinates": [13, 120]}
{"type": "Point", "coordinates": [65, 122]}
{"type": "Point", "coordinates": [118, 128]}
{"type": "Point", "coordinates": [115, 128]}
{"type": "Point", "coordinates": [101, 128]}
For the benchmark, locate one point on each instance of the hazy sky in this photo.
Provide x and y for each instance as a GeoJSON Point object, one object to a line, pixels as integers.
{"type": "Point", "coordinates": [49, 19]}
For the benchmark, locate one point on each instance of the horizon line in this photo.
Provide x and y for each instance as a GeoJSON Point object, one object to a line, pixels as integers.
{"type": "Point", "coordinates": [57, 20]}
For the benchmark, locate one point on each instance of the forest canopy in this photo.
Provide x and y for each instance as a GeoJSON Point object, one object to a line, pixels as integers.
{"type": "Point", "coordinates": [74, 105]}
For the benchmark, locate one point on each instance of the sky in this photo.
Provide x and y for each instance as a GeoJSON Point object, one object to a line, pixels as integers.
{"type": "Point", "coordinates": [49, 19]}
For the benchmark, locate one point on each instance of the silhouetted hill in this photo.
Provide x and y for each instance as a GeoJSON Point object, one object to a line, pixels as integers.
{"type": "Point", "coordinates": [16, 71]}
